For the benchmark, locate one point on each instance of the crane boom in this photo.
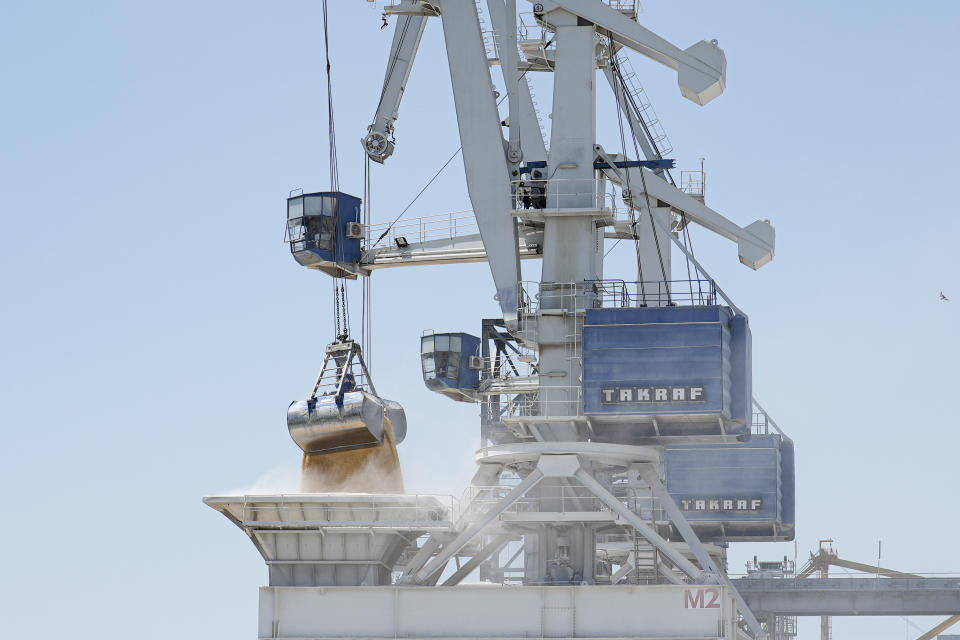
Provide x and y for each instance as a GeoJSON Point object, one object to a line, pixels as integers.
{"type": "Point", "coordinates": [378, 143]}
{"type": "Point", "coordinates": [524, 127]}
{"type": "Point", "coordinates": [484, 162]}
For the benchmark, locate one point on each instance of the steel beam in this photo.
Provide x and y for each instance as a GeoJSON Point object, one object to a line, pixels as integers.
{"type": "Point", "coordinates": [491, 548]}
{"type": "Point", "coordinates": [851, 596]}
{"type": "Point", "coordinates": [440, 561]}
{"type": "Point", "coordinates": [943, 626]}
{"type": "Point", "coordinates": [484, 161]}
{"type": "Point", "coordinates": [652, 478]}
{"type": "Point", "coordinates": [701, 68]}
{"type": "Point", "coordinates": [642, 527]}
{"type": "Point", "coordinates": [406, 40]}
{"type": "Point", "coordinates": [525, 134]}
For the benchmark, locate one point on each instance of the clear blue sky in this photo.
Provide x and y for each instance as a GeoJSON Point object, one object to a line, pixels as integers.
{"type": "Point", "coordinates": [155, 327]}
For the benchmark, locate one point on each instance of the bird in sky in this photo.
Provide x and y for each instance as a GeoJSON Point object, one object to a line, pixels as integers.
{"type": "Point", "coordinates": [944, 298]}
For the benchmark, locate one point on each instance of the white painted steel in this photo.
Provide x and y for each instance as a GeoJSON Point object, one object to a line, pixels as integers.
{"type": "Point", "coordinates": [573, 245]}
{"type": "Point", "coordinates": [642, 527]}
{"type": "Point", "coordinates": [493, 611]}
{"type": "Point", "coordinates": [334, 539]}
{"type": "Point", "coordinates": [343, 540]}
{"type": "Point", "coordinates": [407, 33]}
{"type": "Point", "coordinates": [488, 181]}
{"type": "Point", "coordinates": [655, 255]}
{"type": "Point", "coordinates": [440, 560]}
{"type": "Point", "coordinates": [530, 136]}
{"type": "Point", "coordinates": [457, 250]}
{"type": "Point", "coordinates": [604, 453]}
{"type": "Point", "coordinates": [755, 242]}
{"type": "Point", "coordinates": [701, 68]}
{"type": "Point", "coordinates": [507, 29]}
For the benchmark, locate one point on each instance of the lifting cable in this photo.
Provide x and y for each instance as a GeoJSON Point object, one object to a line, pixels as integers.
{"type": "Point", "coordinates": [687, 242]}
{"type": "Point", "coordinates": [341, 307]}
{"type": "Point", "coordinates": [643, 181]}
{"type": "Point", "coordinates": [390, 69]}
{"type": "Point", "coordinates": [416, 197]}
{"type": "Point", "coordinates": [633, 214]}
{"type": "Point", "coordinates": [436, 175]}
{"type": "Point", "coordinates": [366, 320]}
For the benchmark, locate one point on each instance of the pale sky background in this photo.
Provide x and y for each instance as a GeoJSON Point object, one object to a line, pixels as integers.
{"type": "Point", "coordinates": [155, 326]}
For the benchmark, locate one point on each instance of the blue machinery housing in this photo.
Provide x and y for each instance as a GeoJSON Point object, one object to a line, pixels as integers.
{"type": "Point", "coordinates": [667, 372]}
{"type": "Point", "coordinates": [679, 376]}
{"type": "Point", "coordinates": [733, 492]}
{"type": "Point", "coordinates": [317, 230]}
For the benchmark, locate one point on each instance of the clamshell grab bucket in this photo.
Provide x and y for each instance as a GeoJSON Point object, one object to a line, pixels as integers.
{"type": "Point", "coordinates": [321, 424]}
{"type": "Point", "coordinates": [397, 418]}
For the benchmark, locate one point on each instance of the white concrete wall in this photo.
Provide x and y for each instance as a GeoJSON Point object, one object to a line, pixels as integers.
{"type": "Point", "coordinates": [494, 611]}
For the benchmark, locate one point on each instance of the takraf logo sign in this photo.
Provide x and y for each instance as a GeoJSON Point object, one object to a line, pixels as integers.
{"type": "Point", "coordinates": [650, 395]}
{"type": "Point", "coordinates": [721, 504]}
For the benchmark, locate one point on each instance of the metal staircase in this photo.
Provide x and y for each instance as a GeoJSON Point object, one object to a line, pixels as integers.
{"type": "Point", "coordinates": [642, 107]}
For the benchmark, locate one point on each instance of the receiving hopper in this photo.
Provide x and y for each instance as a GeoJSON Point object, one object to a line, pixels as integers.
{"type": "Point", "coordinates": [347, 539]}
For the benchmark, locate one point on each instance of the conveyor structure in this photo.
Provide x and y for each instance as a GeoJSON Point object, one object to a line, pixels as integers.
{"type": "Point", "coordinates": [622, 450]}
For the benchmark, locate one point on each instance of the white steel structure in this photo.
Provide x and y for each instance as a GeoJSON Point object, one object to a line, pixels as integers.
{"type": "Point", "coordinates": [583, 521]}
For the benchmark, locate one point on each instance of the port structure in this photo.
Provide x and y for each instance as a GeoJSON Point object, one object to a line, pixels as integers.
{"type": "Point", "coordinates": [612, 410]}
{"type": "Point", "coordinates": [577, 473]}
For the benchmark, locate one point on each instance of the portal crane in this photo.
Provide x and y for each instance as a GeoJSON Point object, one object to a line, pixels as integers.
{"type": "Point", "coordinates": [601, 460]}
{"type": "Point", "coordinates": [614, 464]}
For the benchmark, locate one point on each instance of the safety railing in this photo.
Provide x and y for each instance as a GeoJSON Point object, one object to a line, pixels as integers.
{"type": "Point", "coordinates": [694, 183]}
{"type": "Point", "coordinates": [517, 405]}
{"type": "Point", "coordinates": [499, 367]}
{"type": "Point", "coordinates": [553, 498]}
{"type": "Point", "coordinates": [537, 297]}
{"type": "Point", "coordinates": [657, 293]}
{"type": "Point", "coordinates": [297, 511]}
{"type": "Point", "coordinates": [441, 226]}
{"type": "Point", "coordinates": [778, 569]}
{"type": "Point", "coordinates": [762, 423]}
{"type": "Point", "coordinates": [540, 192]}
{"type": "Point", "coordinates": [628, 7]}
{"type": "Point", "coordinates": [390, 7]}
{"type": "Point", "coordinates": [550, 401]}
{"type": "Point", "coordinates": [528, 28]}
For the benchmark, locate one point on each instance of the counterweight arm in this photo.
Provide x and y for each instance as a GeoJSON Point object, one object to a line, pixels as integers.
{"type": "Point", "coordinates": [755, 242]}
{"type": "Point", "coordinates": [701, 69]}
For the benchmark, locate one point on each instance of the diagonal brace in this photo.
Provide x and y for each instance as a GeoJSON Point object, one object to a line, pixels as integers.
{"type": "Point", "coordinates": [438, 562]}
{"type": "Point", "coordinates": [491, 548]}
{"type": "Point", "coordinates": [645, 530]}
{"type": "Point", "coordinates": [652, 478]}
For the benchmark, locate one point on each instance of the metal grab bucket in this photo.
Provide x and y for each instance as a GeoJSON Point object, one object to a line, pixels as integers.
{"type": "Point", "coordinates": [397, 418]}
{"type": "Point", "coordinates": [321, 425]}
